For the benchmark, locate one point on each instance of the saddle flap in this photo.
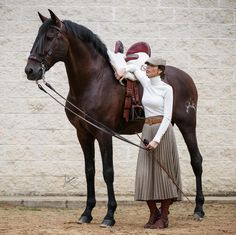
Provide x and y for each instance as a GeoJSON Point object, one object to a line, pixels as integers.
{"type": "Point", "coordinates": [133, 108]}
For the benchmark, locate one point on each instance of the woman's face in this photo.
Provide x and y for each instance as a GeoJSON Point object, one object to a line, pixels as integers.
{"type": "Point", "coordinates": [152, 71]}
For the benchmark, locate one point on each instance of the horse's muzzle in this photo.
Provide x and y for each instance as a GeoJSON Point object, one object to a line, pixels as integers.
{"type": "Point", "coordinates": [33, 72]}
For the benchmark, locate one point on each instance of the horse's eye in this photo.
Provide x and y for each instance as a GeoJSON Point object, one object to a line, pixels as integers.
{"type": "Point", "coordinates": [49, 36]}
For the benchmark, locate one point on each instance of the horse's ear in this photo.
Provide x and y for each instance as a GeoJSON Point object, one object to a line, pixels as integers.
{"type": "Point", "coordinates": [55, 19]}
{"type": "Point", "coordinates": [43, 18]}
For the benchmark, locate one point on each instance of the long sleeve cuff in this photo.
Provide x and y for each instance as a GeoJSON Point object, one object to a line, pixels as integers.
{"type": "Point", "coordinates": [162, 129]}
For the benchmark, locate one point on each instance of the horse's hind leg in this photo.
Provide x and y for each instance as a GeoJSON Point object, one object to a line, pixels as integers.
{"type": "Point", "coordinates": [105, 144]}
{"type": "Point", "coordinates": [87, 144]}
{"type": "Point", "coordinates": [189, 133]}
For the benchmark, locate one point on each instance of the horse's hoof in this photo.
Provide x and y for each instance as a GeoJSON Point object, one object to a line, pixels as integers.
{"type": "Point", "coordinates": [197, 216]}
{"type": "Point", "coordinates": [85, 219]}
{"type": "Point", "coordinates": [107, 223]}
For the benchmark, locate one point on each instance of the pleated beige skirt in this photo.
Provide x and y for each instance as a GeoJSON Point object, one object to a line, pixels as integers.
{"type": "Point", "coordinates": [152, 182]}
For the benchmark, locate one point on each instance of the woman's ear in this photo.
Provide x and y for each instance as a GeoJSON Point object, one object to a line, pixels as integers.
{"type": "Point", "coordinates": [159, 71]}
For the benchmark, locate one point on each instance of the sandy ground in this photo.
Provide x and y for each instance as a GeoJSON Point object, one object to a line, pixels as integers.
{"type": "Point", "coordinates": [220, 219]}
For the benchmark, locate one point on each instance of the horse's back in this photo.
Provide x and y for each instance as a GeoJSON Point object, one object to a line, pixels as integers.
{"type": "Point", "coordinates": [181, 81]}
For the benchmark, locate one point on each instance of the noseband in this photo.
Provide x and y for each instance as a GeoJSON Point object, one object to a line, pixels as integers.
{"type": "Point", "coordinates": [44, 61]}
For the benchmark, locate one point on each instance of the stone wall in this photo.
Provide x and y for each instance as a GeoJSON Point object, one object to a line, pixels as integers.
{"type": "Point", "coordinates": [39, 151]}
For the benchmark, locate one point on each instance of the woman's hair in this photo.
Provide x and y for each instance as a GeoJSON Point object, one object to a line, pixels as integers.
{"type": "Point", "coordinates": [162, 68]}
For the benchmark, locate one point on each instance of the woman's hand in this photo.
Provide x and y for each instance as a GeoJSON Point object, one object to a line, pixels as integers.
{"type": "Point", "coordinates": [152, 145]}
{"type": "Point", "coordinates": [119, 74]}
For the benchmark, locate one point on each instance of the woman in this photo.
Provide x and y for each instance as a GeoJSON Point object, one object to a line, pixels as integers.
{"type": "Point", "coordinates": [152, 182]}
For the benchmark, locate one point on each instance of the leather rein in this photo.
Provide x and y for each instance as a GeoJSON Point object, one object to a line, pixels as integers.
{"type": "Point", "coordinates": [87, 118]}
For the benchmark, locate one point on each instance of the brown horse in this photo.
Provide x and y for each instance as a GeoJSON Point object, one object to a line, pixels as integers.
{"type": "Point", "coordinates": [91, 78]}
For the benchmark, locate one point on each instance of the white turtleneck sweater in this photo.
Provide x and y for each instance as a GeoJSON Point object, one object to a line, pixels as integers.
{"type": "Point", "coordinates": [157, 98]}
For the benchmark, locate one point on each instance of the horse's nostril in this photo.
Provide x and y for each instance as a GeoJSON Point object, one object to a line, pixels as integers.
{"type": "Point", "coordinates": [28, 70]}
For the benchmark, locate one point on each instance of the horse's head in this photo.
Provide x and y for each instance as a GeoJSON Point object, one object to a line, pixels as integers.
{"type": "Point", "coordinates": [50, 46]}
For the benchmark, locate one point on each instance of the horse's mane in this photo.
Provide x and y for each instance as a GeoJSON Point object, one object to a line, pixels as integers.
{"type": "Point", "coordinates": [87, 35]}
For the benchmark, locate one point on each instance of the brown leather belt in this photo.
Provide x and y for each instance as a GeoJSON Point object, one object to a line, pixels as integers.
{"type": "Point", "coordinates": [153, 120]}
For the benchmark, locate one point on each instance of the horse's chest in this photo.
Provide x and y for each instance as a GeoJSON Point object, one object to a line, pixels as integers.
{"type": "Point", "coordinates": [73, 118]}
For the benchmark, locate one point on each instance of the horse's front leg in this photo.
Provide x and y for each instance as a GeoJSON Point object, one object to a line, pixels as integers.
{"type": "Point", "coordinates": [87, 143]}
{"type": "Point", "coordinates": [105, 144]}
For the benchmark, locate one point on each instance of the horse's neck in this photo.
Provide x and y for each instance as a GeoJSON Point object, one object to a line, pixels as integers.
{"type": "Point", "coordinates": [83, 68]}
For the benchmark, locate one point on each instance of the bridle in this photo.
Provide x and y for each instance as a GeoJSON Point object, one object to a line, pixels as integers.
{"type": "Point", "coordinates": [45, 60]}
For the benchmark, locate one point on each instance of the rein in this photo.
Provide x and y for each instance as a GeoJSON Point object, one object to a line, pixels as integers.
{"type": "Point", "coordinates": [93, 122]}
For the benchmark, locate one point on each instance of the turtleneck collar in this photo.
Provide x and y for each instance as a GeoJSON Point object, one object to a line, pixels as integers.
{"type": "Point", "coordinates": [155, 80]}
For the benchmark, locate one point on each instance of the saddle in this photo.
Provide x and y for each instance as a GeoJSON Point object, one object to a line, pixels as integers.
{"type": "Point", "coordinates": [131, 53]}
{"type": "Point", "coordinates": [133, 108]}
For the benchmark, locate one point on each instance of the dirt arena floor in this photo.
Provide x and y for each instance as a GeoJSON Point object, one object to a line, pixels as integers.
{"type": "Point", "coordinates": [220, 219]}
